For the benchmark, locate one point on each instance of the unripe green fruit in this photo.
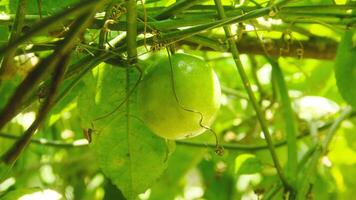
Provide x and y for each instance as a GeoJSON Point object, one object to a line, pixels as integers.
{"type": "Point", "coordinates": [196, 87]}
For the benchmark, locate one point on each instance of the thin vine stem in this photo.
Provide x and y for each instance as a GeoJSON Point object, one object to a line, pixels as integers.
{"type": "Point", "coordinates": [290, 125]}
{"type": "Point", "coordinates": [131, 31]}
{"type": "Point", "coordinates": [233, 147]}
{"type": "Point", "coordinates": [301, 163]}
{"type": "Point", "coordinates": [45, 142]}
{"type": "Point", "coordinates": [259, 113]}
{"type": "Point", "coordinates": [320, 150]}
{"type": "Point", "coordinates": [104, 31]}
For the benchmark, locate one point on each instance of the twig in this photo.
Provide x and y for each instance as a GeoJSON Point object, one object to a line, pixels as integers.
{"type": "Point", "coordinates": [14, 152]}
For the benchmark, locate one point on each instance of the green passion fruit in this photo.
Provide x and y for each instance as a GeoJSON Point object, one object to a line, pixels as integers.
{"type": "Point", "coordinates": [177, 98]}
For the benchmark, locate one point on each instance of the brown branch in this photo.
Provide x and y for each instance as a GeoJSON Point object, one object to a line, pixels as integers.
{"type": "Point", "coordinates": [316, 48]}
{"type": "Point", "coordinates": [14, 152]}
{"type": "Point", "coordinates": [15, 102]}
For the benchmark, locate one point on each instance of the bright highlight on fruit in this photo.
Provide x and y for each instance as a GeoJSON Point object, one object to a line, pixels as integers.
{"type": "Point", "coordinates": [176, 101]}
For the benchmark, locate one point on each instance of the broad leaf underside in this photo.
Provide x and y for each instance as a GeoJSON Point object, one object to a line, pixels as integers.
{"type": "Point", "coordinates": [127, 151]}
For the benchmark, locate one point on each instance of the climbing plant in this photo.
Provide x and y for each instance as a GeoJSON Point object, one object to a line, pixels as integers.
{"type": "Point", "coordinates": [185, 99]}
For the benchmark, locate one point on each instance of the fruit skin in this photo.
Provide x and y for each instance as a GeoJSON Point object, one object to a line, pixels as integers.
{"type": "Point", "coordinates": [197, 88]}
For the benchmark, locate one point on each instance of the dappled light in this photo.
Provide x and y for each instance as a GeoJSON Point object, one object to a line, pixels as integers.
{"type": "Point", "coordinates": [177, 100]}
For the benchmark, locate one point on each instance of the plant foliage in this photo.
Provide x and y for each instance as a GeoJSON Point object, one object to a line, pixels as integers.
{"type": "Point", "coordinates": [70, 124]}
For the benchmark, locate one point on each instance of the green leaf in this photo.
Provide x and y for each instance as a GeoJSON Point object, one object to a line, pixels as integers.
{"type": "Point", "coordinates": [127, 151]}
{"type": "Point", "coordinates": [18, 193]}
{"type": "Point", "coordinates": [247, 164]}
{"type": "Point", "coordinates": [345, 69]}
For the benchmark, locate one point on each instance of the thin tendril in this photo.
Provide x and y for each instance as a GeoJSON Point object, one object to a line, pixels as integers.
{"type": "Point", "coordinates": [219, 150]}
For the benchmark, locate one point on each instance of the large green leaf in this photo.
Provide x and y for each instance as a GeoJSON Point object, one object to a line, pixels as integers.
{"type": "Point", "coordinates": [128, 153]}
{"type": "Point", "coordinates": [345, 68]}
